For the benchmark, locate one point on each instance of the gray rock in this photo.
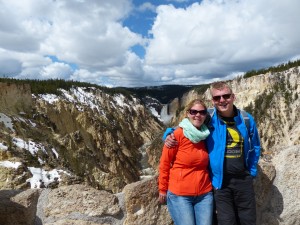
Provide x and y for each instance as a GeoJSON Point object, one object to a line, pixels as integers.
{"type": "Point", "coordinates": [142, 206]}
{"type": "Point", "coordinates": [78, 204]}
{"type": "Point", "coordinates": [18, 207]}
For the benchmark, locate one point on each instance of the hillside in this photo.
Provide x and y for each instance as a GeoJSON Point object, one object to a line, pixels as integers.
{"type": "Point", "coordinates": [85, 133]}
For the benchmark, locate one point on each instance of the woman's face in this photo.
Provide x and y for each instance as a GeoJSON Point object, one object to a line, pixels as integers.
{"type": "Point", "coordinates": [197, 115]}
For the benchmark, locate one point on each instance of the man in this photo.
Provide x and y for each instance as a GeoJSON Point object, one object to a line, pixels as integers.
{"type": "Point", "coordinates": [234, 150]}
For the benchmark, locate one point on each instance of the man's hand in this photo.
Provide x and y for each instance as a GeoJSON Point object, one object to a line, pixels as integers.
{"type": "Point", "coordinates": [170, 141]}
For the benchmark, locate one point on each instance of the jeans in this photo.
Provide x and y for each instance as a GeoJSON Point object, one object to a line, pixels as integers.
{"type": "Point", "coordinates": [190, 210]}
{"type": "Point", "coordinates": [235, 202]}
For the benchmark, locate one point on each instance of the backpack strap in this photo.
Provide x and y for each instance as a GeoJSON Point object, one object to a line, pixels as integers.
{"type": "Point", "coordinates": [245, 117]}
{"type": "Point", "coordinates": [210, 113]}
{"type": "Point", "coordinates": [246, 121]}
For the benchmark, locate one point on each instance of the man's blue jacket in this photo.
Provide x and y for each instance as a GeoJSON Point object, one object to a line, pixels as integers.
{"type": "Point", "coordinates": [216, 145]}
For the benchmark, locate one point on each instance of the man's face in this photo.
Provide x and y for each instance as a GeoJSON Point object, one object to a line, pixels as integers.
{"type": "Point", "coordinates": [223, 100]}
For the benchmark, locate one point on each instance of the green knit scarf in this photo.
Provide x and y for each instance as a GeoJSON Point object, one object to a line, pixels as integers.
{"type": "Point", "coordinates": [192, 133]}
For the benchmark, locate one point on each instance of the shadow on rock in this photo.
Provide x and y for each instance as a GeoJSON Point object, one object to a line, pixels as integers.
{"type": "Point", "coordinates": [18, 206]}
{"type": "Point", "coordinates": [269, 200]}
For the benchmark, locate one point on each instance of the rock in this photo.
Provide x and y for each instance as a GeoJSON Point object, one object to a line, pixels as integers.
{"type": "Point", "coordinates": [18, 207]}
{"type": "Point", "coordinates": [263, 183]}
{"type": "Point", "coordinates": [15, 98]}
{"type": "Point", "coordinates": [76, 222]}
{"type": "Point", "coordinates": [11, 178]}
{"type": "Point", "coordinates": [285, 195]}
{"type": "Point", "coordinates": [78, 204]}
{"type": "Point", "coordinates": [277, 189]}
{"type": "Point", "coordinates": [142, 206]}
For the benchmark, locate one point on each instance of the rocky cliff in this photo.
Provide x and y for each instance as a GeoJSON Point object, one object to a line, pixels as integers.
{"type": "Point", "coordinates": [88, 135]}
{"type": "Point", "coordinates": [15, 98]}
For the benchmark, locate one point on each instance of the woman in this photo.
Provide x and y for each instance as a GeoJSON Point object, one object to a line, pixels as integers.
{"type": "Point", "coordinates": [184, 180]}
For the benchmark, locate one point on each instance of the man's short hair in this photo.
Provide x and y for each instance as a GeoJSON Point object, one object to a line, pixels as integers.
{"type": "Point", "coordinates": [220, 85]}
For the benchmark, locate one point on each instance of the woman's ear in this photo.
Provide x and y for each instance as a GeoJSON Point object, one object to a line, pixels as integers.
{"type": "Point", "coordinates": [187, 114]}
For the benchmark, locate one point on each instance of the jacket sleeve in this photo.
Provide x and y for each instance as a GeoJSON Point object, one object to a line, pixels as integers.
{"type": "Point", "coordinates": [168, 131]}
{"type": "Point", "coordinates": [166, 161]}
{"type": "Point", "coordinates": [254, 146]}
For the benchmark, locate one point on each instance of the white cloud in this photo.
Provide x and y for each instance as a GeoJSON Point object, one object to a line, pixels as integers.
{"type": "Point", "coordinates": [90, 34]}
{"type": "Point", "coordinates": [115, 76]}
{"type": "Point", "coordinates": [220, 37]}
{"type": "Point", "coordinates": [9, 67]}
{"type": "Point", "coordinates": [87, 33]}
{"type": "Point", "coordinates": [207, 40]}
{"type": "Point", "coordinates": [56, 70]}
{"type": "Point", "coordinates": [180, 1]}
{"type": "Point", "coordinates": [147, 6]}
{"type": "Point", "coordinates": [22, 25]}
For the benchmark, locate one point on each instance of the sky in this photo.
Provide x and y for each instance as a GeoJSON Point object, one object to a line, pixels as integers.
{"type": "Point", "coordinates": [135, 43]}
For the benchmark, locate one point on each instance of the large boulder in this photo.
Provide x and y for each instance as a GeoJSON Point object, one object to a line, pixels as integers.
{"type": "Point", "coordinates": [142, 206]}
{"type": "Point", "coordinates": [78, 204]}
{"type": "Point", "coordinates": [18, 207]}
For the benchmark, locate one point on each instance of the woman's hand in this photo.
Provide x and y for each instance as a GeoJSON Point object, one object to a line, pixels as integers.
{"type": "Point", "coordinates": [162, 198]}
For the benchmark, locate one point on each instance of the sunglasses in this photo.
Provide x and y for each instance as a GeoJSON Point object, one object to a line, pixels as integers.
{"type": "Point", "coordinates": [218, 97]}
{"type": "Point", "coordinates": [194, 112]}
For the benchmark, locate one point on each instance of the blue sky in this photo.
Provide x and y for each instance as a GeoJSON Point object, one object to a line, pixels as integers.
{"type": "Point", "coordinates": [143, 16]}
{"type": "Point", "coordinates": [145, 43]}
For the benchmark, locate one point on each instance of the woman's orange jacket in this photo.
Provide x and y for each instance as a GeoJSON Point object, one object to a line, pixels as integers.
{"type": "Point", "coordinates": [183, 170]}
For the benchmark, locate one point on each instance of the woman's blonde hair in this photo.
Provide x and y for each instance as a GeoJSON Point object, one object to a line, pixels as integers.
{"type": "Point", "coordinates": [190, 105]}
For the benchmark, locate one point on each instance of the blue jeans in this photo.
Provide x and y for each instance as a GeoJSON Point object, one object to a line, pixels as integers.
{"type": "Point", "coordinates": [190, 210]}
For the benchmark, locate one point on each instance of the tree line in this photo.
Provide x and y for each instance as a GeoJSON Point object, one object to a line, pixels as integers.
{"type": "Point", "coordinates": [275, 69]}
{"type": "Point", "coordinates": [53, 86]}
